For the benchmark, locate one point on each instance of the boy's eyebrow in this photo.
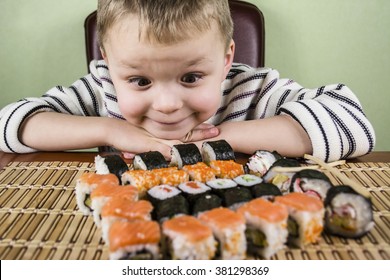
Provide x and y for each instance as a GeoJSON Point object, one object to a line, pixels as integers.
{"type": "Point", "coordinates": [197, 61]}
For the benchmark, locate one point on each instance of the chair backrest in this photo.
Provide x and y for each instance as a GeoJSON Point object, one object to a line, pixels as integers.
{"type": "Point", "coordinates": [249, 34]}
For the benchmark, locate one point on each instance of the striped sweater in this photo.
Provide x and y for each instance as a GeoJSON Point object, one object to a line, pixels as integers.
{"type": "Point", "coordinates": [331, 115]}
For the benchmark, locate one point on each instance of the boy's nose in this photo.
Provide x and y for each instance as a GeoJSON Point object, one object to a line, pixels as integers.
{"type": "Point", "coordinates": [167, 101]}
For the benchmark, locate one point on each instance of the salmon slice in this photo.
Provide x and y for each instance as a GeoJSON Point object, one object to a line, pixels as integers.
{"type": "Point", "coordinates": [300, 201]}
{"type": "Point", "coordinates": [265, 210]}
{"type": "Point", "coordinates": [94, 179]}
{"type": "Point", "coordinates": [124, 233]}
{"type": "Point", "coordinates": [222, 218]}
{"type": "Point", "coordinates": [188, 226]}
{"type": "Point", "coordinates": [119, 207]}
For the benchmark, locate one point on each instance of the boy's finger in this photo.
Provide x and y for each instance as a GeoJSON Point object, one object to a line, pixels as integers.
{"type": "Point", "coordinates": [201, 134]}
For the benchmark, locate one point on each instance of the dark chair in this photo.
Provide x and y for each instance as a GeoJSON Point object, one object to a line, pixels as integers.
{"type": "Point", "coordinates": [249, 34]}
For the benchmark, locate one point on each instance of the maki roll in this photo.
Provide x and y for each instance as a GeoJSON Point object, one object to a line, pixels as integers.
{"type": "Point", "coordinates": [136, 240]}
{"type": "Point", "coordinates": [235, 197]}
{"type": "Point", "coordinates": [347, 213]}
{"type": "Point", "coordinates": [247, 180]}
{"type": "Point", "coordinates": [205, 202]}
{"type": "Point", "coordinates": [311, 182]}
{"type": "Point", "coordinates": [267, 191]}
{"type": "Point", "coordinates": [161, 192]}
{"type": "Point", "coordinates": [143, 180]}
{"type": "Point", "coordinates": [192, 189]}
{"type": "Point", "coordinates": [261, 161]}
{"type": "Point", "coordinates": [121, 209]}
{"type": "Point", "coordinates": [171, 207]}
{"type": "Point", "coordinates": [86, 184]}
{"type": "Point", "coordinates": [266, 226]}
{"type": "Point", "coordinates": [103, 193]}
{"type": "Point", "coordinates": [149, 160]}
{"type": "Point", "coordinates": [281, 179]}
{"type": "Point", "coordinates": [199, 172]}
{"type": "Point", "coordinates": [185, 154]}
{"type": "Point", "coordinates": [305, 222]}
{"type": "Point", "coordinates": [229, 230]}
{"type": "Point", "coordinates": [227, 169]}
{"type": "Point", "coordinates": [217, 150]}
{"type": "Point", "coordinates": [188, 239]}
{"type": "Point", "coordinates": [219, 186]}
{"type": "Point", "coordinates": [111, 164]}
{"type": "Point", "coordinates": [171, 176]}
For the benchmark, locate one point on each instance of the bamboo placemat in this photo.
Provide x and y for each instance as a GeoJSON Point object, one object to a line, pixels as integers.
{"type": "Point", "coordinates": [39, 218]}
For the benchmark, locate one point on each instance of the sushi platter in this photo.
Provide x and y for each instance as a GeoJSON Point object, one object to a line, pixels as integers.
{"type": "Point", "coordinates": [49, 210]}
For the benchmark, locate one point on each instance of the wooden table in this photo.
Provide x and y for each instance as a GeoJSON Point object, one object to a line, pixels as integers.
{"type": "Point", "coordinates": [39, 217]}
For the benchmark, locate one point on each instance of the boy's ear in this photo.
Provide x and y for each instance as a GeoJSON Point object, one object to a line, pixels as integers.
{"type": "Point", "coordinates": [103, 54]}
{"type": "Point", "coordinates": [229, 58]}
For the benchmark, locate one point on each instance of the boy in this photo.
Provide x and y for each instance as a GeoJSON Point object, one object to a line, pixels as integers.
{"type": "Point", "coordinates": [168, 77]}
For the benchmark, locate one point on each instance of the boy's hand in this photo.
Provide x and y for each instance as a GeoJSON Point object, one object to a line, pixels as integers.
{"type": "Point", "coordinates": [201, 132]}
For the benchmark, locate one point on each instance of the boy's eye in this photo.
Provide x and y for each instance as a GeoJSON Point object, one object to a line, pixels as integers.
{"type": "Point", "coordinates": [139, 81]}
{"type": "Point", "coordinates": [191, 78]}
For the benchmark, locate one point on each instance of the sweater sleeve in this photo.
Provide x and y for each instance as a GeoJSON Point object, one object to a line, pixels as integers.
{"type": "Point", "coordinates": [331, 115]}
{"type": "Point", "coordinates": [82, 98]}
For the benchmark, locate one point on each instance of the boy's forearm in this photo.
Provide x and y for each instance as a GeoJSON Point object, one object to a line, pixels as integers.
{"type": "Point", "coordinates": [279, 133]}
{"type": "Point", "coordinates": [48, 131]}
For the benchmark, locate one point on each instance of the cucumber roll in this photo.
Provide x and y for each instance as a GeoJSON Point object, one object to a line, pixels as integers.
{"type": "Point", "coordinates": [347, 213]}
{"type": "Point", "coordinates": [248, 180]}
{"type": "Point", "coordinates": [149, 160]}
{"type": "Point", "coordinates": [111, 164]}
{"type": "Point", "coordinates": [261, 161]}
{"type": "Point", "coordinates": [217, 150]}
{"type": "Point", "coordinates": [185, 154]}
{"type": "Point", "coordinates": [219, 186]}
{"type": "Point", "coordinates": [311, 182]}
{"type": "Point", "coordinates": [265, 190]}
{"type": "Point", "coordinates": [205, 202]}
{"type": "Point", "coordinates": [171, 207]}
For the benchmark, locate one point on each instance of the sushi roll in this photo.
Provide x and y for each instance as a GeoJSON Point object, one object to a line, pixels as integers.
{"type": "Point", "coordinates": [103, 193]}
{"type": "Point", "coordinates": [266, 227]}
{"type": "Point", "coordinates": [347, 213]}
{"type": "Point", "coordinates": [247, 180]}
{"type": "Point", "coordinates": [228, 228]}
{"type": "Point", "coordinates": [234, 197]}
{"type": "Point", "coordinates": [227, 169]}
{"type": "Point", "coordinates": [265, 190]}
{"type": "Point", "coordinates": [261, 161]}
{"type": "Point", "coordinates": [149, 160]}
{"type": "Point", "coordinates": [161, 192]}
{"type": "Point", "coordinates": [219, 186]}
{"type": "Point", "coordinates": [205, 202]}
{"type": "Point", "coordinates": [188, 239]}
{"type": "Point", "coordinates": [192, 189]}
{"type": "Point", "coordinates": [217, 150]}
{"type": "Point", "coordinates": [143, 180]}
{"type": "Point", "coordinates": [111, 164]}
{"type": "Point", "coordinates": [306, 214]}
{"type": "Point", "coordinates": [120, 209]}
{"type": "Point", "coordinates": [86, 184]}
{"type": "Point", "coordinates": [199, 172]}
{"type": "Point", "coordinates": [185, 154]}
{"type": "Point", "coordinates": [311, 182]}
{"type": "Point", "coordinates": [171, 207]}
{"type": "Point", "coordinates": [171, 176]}
{"type": "Point", "coordinates": [281, 179]}
{"type": "Point", "coordinates": [134, 240]}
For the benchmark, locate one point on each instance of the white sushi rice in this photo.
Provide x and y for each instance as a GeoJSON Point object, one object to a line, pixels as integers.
{"type": "Point", "coordinates": [275, 233]}
{"type": "Point", "coordinates": [362, 213]}
{"type": "Point", "coordinates": [138, 163]}
{"type": "Point", "coordinates": [184, 249]}
{"type": "Point", "coordinates": [82, 191]}
{"type": "Point", "coordinates": [163, 192]}
{"type": "Point", "coordinates": [260, 162]}
{"type": "Point", "coordinates": [97, 205]}
{"type": "Point", "coordinates": [193, 187]}
{"type": "Point", "coordinates": [123, 252]}
{"type": "Point", "coordinates": [320, 187]}
{"type": "Point", "coordinates": [248, 180]}
{"type": "Point", "coordinates": [100, 165]}
{"type": "Point", "coordinates": [221, 183]}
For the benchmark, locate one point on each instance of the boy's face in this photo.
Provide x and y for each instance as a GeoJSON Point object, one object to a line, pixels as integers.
{"type": "Point", "coordinates": [167, 89]}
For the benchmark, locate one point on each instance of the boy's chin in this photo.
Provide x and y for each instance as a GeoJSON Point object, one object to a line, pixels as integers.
{"type": "Point", "coordinates": [169, 135]}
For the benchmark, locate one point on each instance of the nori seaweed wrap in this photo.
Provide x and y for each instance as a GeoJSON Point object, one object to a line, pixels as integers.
{"type": "Point", "coordinates": [347, 213]}
{"type": "Point", "coordinates": [311, 182]}
{"type": "Point", "coordinates": [206, 202]}
{"type": "Point", "coordinates": [235, 197]}
{"type": "Point", "coordinates": [265, 190]}
{"type": "Point", "coordinates": [149, 160]}
{"type": "Point", "coordinates": [111, 164]}
{"type": "Point", "coordinates": [171, 207]}
{"type": "Point", "coordinates": [217, 150]}
{"type": "Point", "coordinates": [185, 154]}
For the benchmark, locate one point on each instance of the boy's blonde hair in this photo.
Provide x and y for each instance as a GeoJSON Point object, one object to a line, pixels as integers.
{"type": "Point", "coordinates": [166, 21]}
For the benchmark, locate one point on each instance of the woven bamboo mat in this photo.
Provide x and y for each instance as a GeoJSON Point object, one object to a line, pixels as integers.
{"type": "Point", "coordinates": [39, 218]}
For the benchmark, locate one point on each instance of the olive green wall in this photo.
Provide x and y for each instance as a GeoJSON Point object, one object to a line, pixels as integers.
{"type": "Point", "coordinates": [314, 42]}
